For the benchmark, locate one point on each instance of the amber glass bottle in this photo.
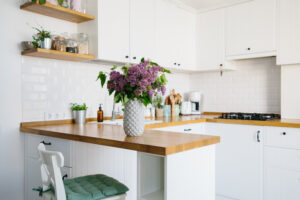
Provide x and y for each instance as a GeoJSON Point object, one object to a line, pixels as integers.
{"type": "Point", "coordinates": [100, 114]}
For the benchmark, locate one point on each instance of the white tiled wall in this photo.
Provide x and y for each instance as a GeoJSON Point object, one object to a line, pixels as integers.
{"type": "Point", "coordinates": [254, 87]}
{"type": "Point", "coordinates": [49, 86]}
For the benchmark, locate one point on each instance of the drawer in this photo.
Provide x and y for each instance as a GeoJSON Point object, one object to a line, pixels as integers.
{"type": "Point", "coordinates": [282, 158]}
{"type": "Point", "coordinates": [283, 137]}
{"type": "Point", "coordinates": [54, 144]}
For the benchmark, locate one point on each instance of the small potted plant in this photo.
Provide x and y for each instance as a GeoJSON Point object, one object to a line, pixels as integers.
{"type": "Point", "coordinates": [157, 103]}
{"type": "Point", "coordinates": [42, 39]}
{"type": "Point", "coordinates": [79, 112]}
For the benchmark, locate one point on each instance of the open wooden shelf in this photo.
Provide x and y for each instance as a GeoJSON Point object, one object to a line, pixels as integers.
{"type": "Point", "coordinates": [57, 12]}
{"type": "Point", "coordinates": [58, 55]}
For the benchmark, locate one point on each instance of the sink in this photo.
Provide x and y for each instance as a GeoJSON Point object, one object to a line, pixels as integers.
{"type": "Point", "coordinates": [120, 122]}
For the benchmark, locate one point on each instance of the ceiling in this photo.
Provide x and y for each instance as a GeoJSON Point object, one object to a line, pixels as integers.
{"type": "Point", "coordinates": [209, 4]}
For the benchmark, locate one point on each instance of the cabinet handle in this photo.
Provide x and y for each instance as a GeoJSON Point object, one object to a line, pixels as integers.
{"type": "Point", "coordinates": [188, 129]}
{"type": "Point", "coordinates": [179, 64]}
{"type": "Point", "coordinates": [134, 58]}
{"type": "Point", "coordinates": [284, 133]}
{"type": "Point", "coordinates": [175, 63]}
{"type": "Point", "coordinates": [46, 143]}
{"type": "Point", "coordinates": [248, 48]}
{"type": "Point", "coordinates": [126, 56]}
{"type": "Point", "coordinates": [65, 176]}
{"type": "Point", "coordinates": [258, 136]}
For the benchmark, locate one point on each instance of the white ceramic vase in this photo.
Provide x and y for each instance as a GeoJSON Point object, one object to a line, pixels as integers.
{"type": "Point", "coordinates": [134, 118]}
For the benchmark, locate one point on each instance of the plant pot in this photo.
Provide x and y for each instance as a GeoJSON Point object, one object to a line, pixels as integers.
{"type": "Point", "coordinates": [79, 116]}
{"type": "Point", "coordinates": [134, 118]}
{"type": "Point", "coordinates": [46, 44]}
{"type": "Point", "coordinates": [159, 112]}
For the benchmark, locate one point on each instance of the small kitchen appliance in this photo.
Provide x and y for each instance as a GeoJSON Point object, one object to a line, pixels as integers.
{"type": "Point", "coordinates": [250, 116]}
{"type": "Point", "coordinates": [195, 99]}
{"type": "Point", "coordinates": [186, 108]}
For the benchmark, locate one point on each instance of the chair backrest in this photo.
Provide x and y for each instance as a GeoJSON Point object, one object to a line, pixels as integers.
{"type": "Point", "coordinates": [51, 162]}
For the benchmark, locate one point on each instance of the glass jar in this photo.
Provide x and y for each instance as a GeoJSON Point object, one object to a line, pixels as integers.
{"type": "Point", "coordinates": [83, 43]}
{"type": "Point", "coordinates": [54, 2]}
{"type": "Point", "coordinates": [78, 5]}
{"type": "Point", "coordinates": [66, 4]}
{"type": "Point", "coordinates": [60, 44]}
{"type": "Point", "coordinates": [72, 46]}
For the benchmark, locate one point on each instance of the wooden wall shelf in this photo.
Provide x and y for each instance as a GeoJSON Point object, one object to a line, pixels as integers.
{"type": "Point", "coordinates": [57, 12]}
{"type": "Point", "coordinates": [58, 55]}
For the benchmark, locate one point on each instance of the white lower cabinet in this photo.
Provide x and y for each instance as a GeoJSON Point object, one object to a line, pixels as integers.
{"type": "Point", "coordinates": [239, 158]}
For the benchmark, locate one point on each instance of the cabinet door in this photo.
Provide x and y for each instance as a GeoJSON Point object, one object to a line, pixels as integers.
{"type": "Point", "coordinates": [289, 32]}
{"type": "Point", "coordinates": [282, 175]}
{"type": "Point", "coordinates": [113, 30]}
{"type": "Point", "coordinates": [251, 29]}
{"type": "Point", "coordinates": [239, 169]}
{"type": "Point", "coordinates": [210, 40]}
{"type": "Point", "coordinates": [186, 42]}
{"type": "Point", "coordinates": [166, 39]}
{"type": "Point", "coordinates": [142, 29]}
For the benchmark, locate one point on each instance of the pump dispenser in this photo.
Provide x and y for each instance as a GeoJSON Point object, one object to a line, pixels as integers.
{"type": "Point", "coordinates": [100, 114]}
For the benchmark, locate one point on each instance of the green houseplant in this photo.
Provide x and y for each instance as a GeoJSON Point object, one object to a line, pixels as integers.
{"type": "Point", "coordinates": [42, 39]}
{"type": "Point", "coordinates": [79, 112]}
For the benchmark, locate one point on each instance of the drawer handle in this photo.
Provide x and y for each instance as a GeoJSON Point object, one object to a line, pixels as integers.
{"type": "Point", "coordinates": [46, 143]}
{"type": "Point", "coordinates": [284, 133]}
{"type": "Point", "coordinates": [258, 136]}
{"type": "Point", "coordinates": [188, 129]}
{"type": "Point", "coordinates": [65, 176]}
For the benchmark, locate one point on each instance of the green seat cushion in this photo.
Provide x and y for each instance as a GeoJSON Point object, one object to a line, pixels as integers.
{"type": "Point", "coordinates": [93, 187]}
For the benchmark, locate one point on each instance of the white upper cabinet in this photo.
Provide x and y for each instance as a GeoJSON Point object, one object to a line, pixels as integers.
{"type": "Point", "coordinates": [175, 36]}
{"type": "Point", "coordinates": [113, 30]}
{"type": "Point", "coordinates": [211, 41]}
{"type": "Point", "coordinates": [288, 32]}
{"type": "Point", "coordinates": [142, 29]}
{"type": "Point", "coordinates": [251, 30]}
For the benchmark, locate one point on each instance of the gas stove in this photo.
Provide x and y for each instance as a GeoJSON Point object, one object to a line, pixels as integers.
{"type": "Point", "coordinates": [249, 116]}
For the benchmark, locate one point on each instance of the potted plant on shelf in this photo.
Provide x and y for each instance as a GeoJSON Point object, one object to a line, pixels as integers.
{"type": "Point", "coordinates": [135, 86]}
{"type": "Point", "coordinates": [42, 39]}
{"type": "Point", "coordinates": [79, 112]}
{"type": "Point", "coordinates": [157, 103]}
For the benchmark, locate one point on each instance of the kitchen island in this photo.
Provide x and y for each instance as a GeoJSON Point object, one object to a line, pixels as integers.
{"type": "Point", "coordinates": [157, 165]}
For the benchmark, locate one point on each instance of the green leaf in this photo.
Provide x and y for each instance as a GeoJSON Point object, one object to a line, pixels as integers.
{"type": "Point", "coordinates": [111, 91]}
{"type": "Point", "coordinates": [102, 78]}
{"type": "Point", "coordinates": [166, 71]}
{"type": "Point", "coordinates": [114, 67]}
{"type": "Point", "coordinates": [163, 79]}
{"type": "Point", "coordinates": [42, 1]}
{"type": "Point", "coordinates": [143, 60]}
{"type": "Point", "coordinates": [153, 63]}
{"type": "Point", "coordinates": [117, 97]}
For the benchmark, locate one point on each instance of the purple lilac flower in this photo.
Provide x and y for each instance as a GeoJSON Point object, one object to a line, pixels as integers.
{"type": "Point", "coordinates": [150, 93]}
{"type": "Point", "coordinates": [163, 90]}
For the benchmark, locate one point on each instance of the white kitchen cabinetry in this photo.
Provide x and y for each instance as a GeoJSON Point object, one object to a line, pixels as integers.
{"type": "Point", "coordinates": [211, 41]}
{"type": "Point", "coordinates": [282, 164]}
{"type": "Point", "coordinates": [251, 29]}
{"type": "Point", "coordinates": [239, 158]}
{"type": "Point", "coordinates": [122, 31]}
{"type": "Point", "coordinates": [239, 161]}
{"type": "Point", "coordinates": [175, 36]}
{"type": "Point", "coordinates": [288, 32]}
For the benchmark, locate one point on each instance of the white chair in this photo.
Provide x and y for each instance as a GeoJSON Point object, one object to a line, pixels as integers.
{"type": "Point", "coordinates": [51, 162]}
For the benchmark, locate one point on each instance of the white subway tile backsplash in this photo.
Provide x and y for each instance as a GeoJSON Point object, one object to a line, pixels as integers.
{"type": "Point", "coordinates": [253, 87]}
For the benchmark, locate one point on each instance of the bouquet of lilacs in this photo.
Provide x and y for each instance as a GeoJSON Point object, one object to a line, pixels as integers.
{"type": "Point", "coordinates": [141, 82]}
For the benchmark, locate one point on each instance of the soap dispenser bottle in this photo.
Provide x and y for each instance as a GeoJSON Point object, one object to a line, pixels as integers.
{"type": "Point", "coordinates": [100, 114]}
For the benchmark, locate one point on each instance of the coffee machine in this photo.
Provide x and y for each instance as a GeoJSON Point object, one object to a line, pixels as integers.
{"type": "Point", "coordinates": [195, 99]}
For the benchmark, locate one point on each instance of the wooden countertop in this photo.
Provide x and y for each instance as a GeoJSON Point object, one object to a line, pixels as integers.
{"type": "Point", "coordinates": [190, 119]}
{"type": "Point", "coordinates": [152, 141]}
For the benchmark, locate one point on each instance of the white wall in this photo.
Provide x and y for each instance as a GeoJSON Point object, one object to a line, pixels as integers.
{"type": "Point", "coordinates": [253, 87]}
{"type": "Point", "coordinates": [290, 93]}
